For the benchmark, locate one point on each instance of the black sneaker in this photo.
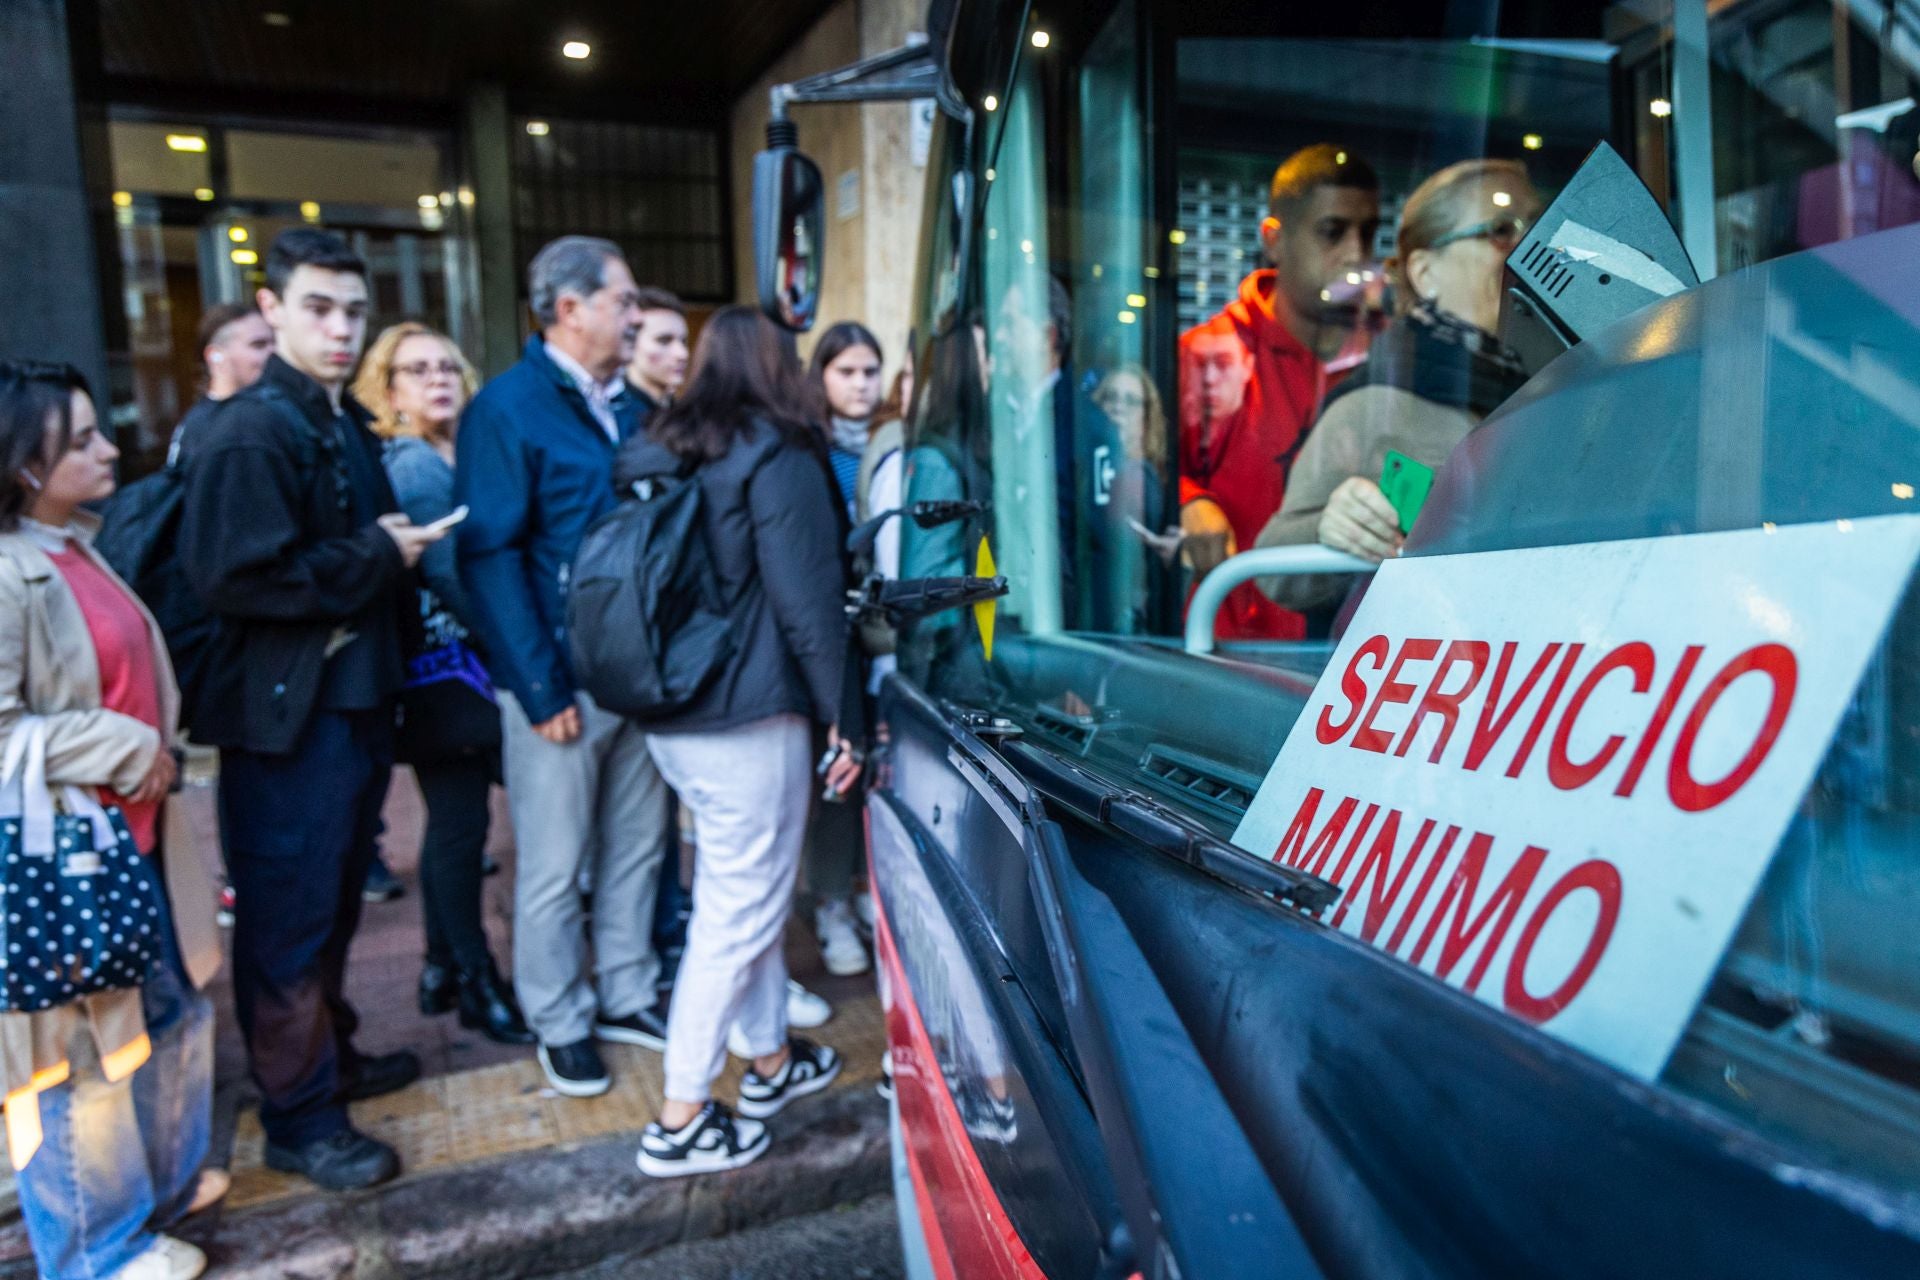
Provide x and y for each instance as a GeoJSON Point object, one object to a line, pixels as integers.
{"type": "Point", "coordinates": [809, 1068]}
{"type": "Point", "coordinates": [387, 1073]}
{"type": "Point", "coordinates": [713, 1141]}
{"type": "Point", "coordinates": [575, 1069]}
{"type": "Point", "coordinates": [648, 1028]}
{"type": "Point", "coordinates": [347, 1161]}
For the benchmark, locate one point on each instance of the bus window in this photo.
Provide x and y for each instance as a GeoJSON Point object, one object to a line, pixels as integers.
{"type": "Point", "coordinates": [1149, 345]}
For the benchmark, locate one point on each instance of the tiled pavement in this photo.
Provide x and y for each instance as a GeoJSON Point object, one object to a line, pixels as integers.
{"type": "Point", "coordinates": [477, 1100]}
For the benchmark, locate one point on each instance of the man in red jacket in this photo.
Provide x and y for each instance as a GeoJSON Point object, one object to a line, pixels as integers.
{"type": "Point", "coordinates": [1252, 377]}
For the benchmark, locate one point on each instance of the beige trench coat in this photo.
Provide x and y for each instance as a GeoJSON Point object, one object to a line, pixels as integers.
{"type": "Point", "coordinates": [48, 668]}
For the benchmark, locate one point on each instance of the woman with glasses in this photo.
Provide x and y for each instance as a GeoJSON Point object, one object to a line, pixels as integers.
{"type": "Point", "coordinates": [1434, 373]}
{"type": "Point", "coordinates": [416, 382]}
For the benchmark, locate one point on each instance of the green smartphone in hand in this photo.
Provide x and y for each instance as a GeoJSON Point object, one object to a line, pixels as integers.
{"type": "Point", "coordinates": [1406, 482]}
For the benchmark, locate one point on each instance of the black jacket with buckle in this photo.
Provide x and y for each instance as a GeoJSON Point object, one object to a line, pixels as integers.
{"type": "Point", "coordinates": [272, 542]}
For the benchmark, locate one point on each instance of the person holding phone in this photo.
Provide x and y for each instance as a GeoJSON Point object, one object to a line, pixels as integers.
{"type": "Point", "coordinates": [416, 382]}
{"type": "Point", "coordinates": [1434, 373]}
{"type": "Point", "coordinates": [739, 756]}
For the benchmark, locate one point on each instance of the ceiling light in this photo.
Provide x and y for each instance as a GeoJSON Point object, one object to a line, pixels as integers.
{"type": "Point", "coordinates": [310, 210]}
{"type": "Point", "coordinates": [537, 128]}
{"type": "Point", "coordinates": [1339, 157]}
{"type": "Point", "coordinates": [1136, 299]}
{"type": "Point", "coordinates": [1502, 199]}
{"type": "Point", "coordinates": [1661, 107]}
{"type": "Point", "coordinates": [446, 199]}
{"type": "Point", "coordinates": [1533, 142]}
{"type": "Point", "coordinates": [466, 196]}
{"type": "Point", "coordinates": [1026, 246]}
{"type": "Point", "coordinates": [276, 19]}
{"type": "Point", "coordinates": [1041, 39]}
{"type": "Point", "coordinates": [186, 142]}
{"type": "Point", "coordinates": [1176, 236]}
{"type": "Point", "coordinates": [1127, 317]}
{"type": "Point", "coordinates": [991, 103]}
{"type": "Point", "coordinates": [123, 199]}
{"type": "Point", "coordinates": [578, 50]}
{"type": "Point", "coordinates": [203, 194]}
{"type": "Point", "coordinates": [237, 234]}
{"type": "Point", "coordinates": [1152, 273]}
{"type": "Point", "coordinates": [429, 202]}
{"type": "Point", "coordinates": [244, 257]}
{"type": "Point", "coordinates": [1903, 491]}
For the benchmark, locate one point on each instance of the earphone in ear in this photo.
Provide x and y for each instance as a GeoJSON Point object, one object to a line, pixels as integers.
{"type": "Point", "coordinates": [216, 357]}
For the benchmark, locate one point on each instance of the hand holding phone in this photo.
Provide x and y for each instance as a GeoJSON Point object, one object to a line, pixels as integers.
{"type": "Point", "coordinates": [448, 520]}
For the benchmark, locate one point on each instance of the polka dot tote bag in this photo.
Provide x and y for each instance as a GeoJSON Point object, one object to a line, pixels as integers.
{"type": "Point", "coordinates": [79, 907]}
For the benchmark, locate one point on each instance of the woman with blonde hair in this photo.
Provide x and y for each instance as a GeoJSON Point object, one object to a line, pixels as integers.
{"type": "Point", "coordinates": [416, 383]}
{"type": "Point", "coordinates": [1429, 378]}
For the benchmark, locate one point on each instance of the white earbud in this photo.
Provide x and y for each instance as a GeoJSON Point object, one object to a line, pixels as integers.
{"type": "Point", "coordinates": [217, 357]}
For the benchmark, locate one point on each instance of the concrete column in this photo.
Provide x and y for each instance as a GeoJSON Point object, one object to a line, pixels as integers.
{"type": "Point", "coordinates": [48, 272]}
{"type": "Point", "coordinates": [488, 132]}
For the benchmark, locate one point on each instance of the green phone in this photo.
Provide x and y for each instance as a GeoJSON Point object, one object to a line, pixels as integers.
{"type": "Point", "coordinates": [1405, 481]}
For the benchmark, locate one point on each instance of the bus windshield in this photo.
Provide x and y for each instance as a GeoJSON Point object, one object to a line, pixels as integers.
{"type": "Point", "coordinates": [1198, 278]}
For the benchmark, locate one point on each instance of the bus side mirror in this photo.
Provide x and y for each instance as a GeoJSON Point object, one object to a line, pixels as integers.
{"type": "Point", "coordinates": [788, 222]}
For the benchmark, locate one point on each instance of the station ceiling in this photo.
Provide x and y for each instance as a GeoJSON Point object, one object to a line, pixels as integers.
{"type": "Point", "coordinates": [657, 58]}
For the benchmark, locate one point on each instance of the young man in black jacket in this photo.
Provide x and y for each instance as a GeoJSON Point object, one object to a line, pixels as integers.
{"type": "Point", "coordinates": [291, 535]}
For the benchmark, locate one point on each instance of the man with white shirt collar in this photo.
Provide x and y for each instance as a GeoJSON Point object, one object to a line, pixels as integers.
{"type": "Point", "coordinates": [535, 469]}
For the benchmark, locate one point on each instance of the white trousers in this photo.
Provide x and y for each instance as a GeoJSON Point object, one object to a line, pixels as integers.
{"type": "Point", "coordinates": [748, 790]}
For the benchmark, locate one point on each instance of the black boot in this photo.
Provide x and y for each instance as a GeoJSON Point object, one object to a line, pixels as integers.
{"type": "Point", "coordinates": [438, 992]}
{"type": "Point", "coordinates": [487, 1006]}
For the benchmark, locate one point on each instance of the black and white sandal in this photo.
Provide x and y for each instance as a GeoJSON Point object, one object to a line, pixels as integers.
{"type": "Point", "coordinates": [810, 1068]}
{"type": "Point", "coordinates": [713, 1141]}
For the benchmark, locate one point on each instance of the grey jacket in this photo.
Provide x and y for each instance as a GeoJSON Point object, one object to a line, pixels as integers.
{"type": "Point", "coordinates": [423, 483]}
{"type": "Point", "coordinates": [1352, 439]}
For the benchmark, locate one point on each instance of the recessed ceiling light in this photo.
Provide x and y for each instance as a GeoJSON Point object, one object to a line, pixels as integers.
{"type": "Point", "coordinates": [237, 234]}
{"type": "Point", "coordinates": [123, 199]}
{"type": "Point", "coordinates": [274, 18]}
{"type": "Point", "coordinates": [1041, 39]}
{"type": "Point", "coordinates": [1533, 142]}
{"type": "Point", "coordinates": [310, 210]}
{"type": "Point", "coordinates": [186, 142]}
{"type": "Point", "coordinates": [991, 103]}
{"type": "Point", "coordinates": [578, 50]}
{"type": "Point", "coordinates": [244, 257]}
{"type": "Point", "coordinates": [203, 194]}
{"type": "Point", "coordinates": [429, 202]}
{"type": "Point", "coordinates": [537, 128]}
{"type": "Point", "coordinates": [466, 196]}
{"type": "Point", "coordinates": [1661, 107]}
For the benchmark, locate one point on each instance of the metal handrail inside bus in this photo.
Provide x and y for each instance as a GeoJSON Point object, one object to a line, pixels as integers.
{"type": "Point", "coordinates": [1262, 562]}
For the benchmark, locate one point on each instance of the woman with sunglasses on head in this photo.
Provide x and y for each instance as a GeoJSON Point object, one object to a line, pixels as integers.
{"type": "Point", "coordinates": [109, 1094]}
{"type": "Point", "coordinates": [1434, 373]}
{"type": "Point", "coordinates": [415, 382]}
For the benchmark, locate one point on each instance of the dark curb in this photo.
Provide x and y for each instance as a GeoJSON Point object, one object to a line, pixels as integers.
{"type": "Point", "coordinates": [538, 1212]}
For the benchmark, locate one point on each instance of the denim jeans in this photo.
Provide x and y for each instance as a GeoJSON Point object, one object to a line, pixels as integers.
{"type": "Point", "coordinates": [116, 1157]}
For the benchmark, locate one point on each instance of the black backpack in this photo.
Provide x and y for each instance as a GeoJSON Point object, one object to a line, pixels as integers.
{"type": "Point", "coordinates": [139, 533]}
{"type": "Point", "coordinates": [646, 618]}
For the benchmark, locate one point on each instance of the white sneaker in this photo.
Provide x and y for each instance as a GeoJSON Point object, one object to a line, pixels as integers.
{"type": "Point", "coordinates": [840, 944]}
{"type": "Point", "coordinates": [804, 1010]}
{"type": "Point", "coordinates": [809, 1068]}
{"type": "Point", "coordinates": [165, 1259]}
{"type": "Point", "coordinates": [712, 1141]}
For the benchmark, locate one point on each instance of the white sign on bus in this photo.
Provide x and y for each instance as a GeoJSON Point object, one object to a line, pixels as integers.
{"type": "Point", "coordinates": [1553, 777]}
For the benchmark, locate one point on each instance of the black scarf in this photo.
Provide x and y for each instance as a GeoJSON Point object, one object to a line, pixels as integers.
{"type": "Point", "coordinates": [1442, 358]}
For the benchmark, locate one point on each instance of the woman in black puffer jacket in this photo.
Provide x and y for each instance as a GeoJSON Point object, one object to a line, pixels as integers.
{"type": "Point", "coordinates": [739, 755]}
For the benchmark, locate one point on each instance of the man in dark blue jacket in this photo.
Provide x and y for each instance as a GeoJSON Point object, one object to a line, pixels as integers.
{"type": "Point", "coordinates": [535, 468]}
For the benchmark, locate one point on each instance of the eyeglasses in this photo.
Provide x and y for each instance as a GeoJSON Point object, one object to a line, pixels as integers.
{"type": "Point", "coordinates": [424, 369]}
{"type": "Point", "coordinates": [1504, 232]}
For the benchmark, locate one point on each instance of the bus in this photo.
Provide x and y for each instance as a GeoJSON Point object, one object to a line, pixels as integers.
{"type": "Point", "coordinates": [1544, 903]}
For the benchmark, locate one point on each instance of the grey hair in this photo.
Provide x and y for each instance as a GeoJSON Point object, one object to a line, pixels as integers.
{"type": "Point", "coordinates": [571, 264]}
